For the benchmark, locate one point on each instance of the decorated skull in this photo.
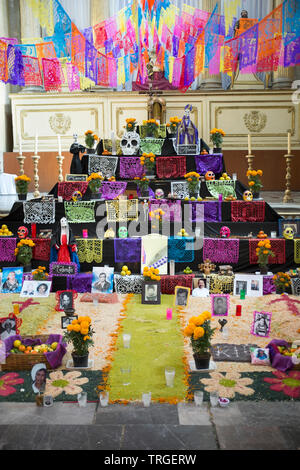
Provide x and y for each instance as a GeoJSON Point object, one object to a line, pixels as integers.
{"type": "Point", "coordinates": [122, 232]}
{"type": "Point", "coordinates": [159, 194]}
{"type": "Point", "coordinates": [289, 233]}
{"type": "Point", "coordinates": [248, 196]}
{"type": "Point", "coordinates": [210, 176]}
{"type": "Point", "coordinates": [225, 232]}
{"type": "Point", "coordinates": [130, 143]}
{"type": "Point", "coordinates": [22, 232]}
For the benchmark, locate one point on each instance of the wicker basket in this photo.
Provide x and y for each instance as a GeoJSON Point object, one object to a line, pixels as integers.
{"type": "Point", "coordinates": [26, 361]}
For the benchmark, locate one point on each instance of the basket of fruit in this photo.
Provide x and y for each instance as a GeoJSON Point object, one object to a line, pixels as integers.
{"type": "Point", "coordinates": [284, 356]}
{"type": "Point", "coordinates": [5, 232]}
{"type": "Point", "coordinates": [23, 352]}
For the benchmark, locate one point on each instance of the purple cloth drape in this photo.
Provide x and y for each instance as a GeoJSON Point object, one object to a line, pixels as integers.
{"type": "Point", "coordinates": [127, 250]}
{"type": "Point", "coordinates": [7, 249]}
{"type": "Point", "coordinates": [212, 211]}
{"type": "Point", "coordinates": [278, 361]}
{"type": "Point", "coordinates": [130, 167]}
{"type": "Point", "coordinates": [112, 189]}
{"type": "Point", "coordinates": [82, 282]}
{"type": "Point", "coordinates": [206, 163]}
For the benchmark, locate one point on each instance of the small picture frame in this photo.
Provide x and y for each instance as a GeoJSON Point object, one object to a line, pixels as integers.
{"type": "Point", "coordinates": [65, 321]}
{"type": "Point", "coordinates": [181, 296]}
{"type": "Point", "coordinates": [255, 286]}
{"type": "Point", "coordinates": [36, 288]}
{"type": "Point", "coordinates": [151, 294]}
{"type": "Point", "coordinates": [261, 325]}
{"type": "Point", "coordinates": [12, 280]}
{"type": "Point", "coordinates": [103, 280]}
{"type": "Point", "coordinates": [45, 233]}
{"type": "Point", "coordinates": [65, 299]}
{"type": "Point", "coordinates": [8, 327]}
{"type": "Point", "coordinates": [293, 223]}
{"type": "Point", "coordinates": [220, 305]}
{"type": "Point", "coordinates": [75, 178]}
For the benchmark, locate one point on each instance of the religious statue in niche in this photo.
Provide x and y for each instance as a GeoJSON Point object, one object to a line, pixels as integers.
{"type": "Point", "coordinates": [63, 246]}
{"type": "Point", "coordinates": [76, 149]}
{"type": "Point", "coordinates": [187, 132]}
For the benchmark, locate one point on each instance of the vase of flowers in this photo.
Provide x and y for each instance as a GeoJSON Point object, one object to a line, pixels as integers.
{"type": "Point", "coordinates": [173, 125]}
{"type": "Point", "coordinates": [151, 273]}
{"type": "Point", "coordinates": [147, 160]}
{"type": "Point", "coordinates": [151, 127]}
{"type": "Point", "coordinates": [143, 184]}
{"type": "Point", "coordinates": [282, 282]}
{"type": "Point", "coordinates": [22, 183]}
{"type": "Point", "coordinates": [90, 140]}
{"type": "Point", "coordinates": [192, 180]}
{"type": "Point", "coordinates": [23, 253]}
{"type": "Point", "coordinates": [95, 183]}
{"type": "Point", "coordinates": [200, 332]}
{"type": "Point", "coordinates": [79, 333]}
{"type": "Point", "coordinates": [216, 136]}
{"type": "Point", "coordinates": [130, 125]}
{"type": "Point", "coordinates": [254, 182]}
{"type": "Point", "coordinates": [263, 252]}
{"type": "Point", "coordinates": [156, 218]}
{"type": "Point", "coordinates": [40, 274]}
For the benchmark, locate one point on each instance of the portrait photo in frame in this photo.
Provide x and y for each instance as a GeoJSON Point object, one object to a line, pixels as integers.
{"type": "Point", "coordinates": [8, 327]}
{"type": "Point", "coordinates": [36, 288]}
{"type": "Point", "coordinates": [240, 283]}
{"type": "Point", "coordinates": [181, 296]}
{"type": "Point", "coordinates": [12, 279]}
{"type": "Point", "coordinates": [151, 293]}
{"type": "Point", "coordinates": [103, 280]}
{"type": "Point", "coordinates": [220, 305]}
{"type": "Point", "coordinates": [293, 223]}
{"type": "Point", "coordinates": [65, 321]}
{"type": "Point", "coordinates": [65, 299]}
{"type": "Point", "coordinates": [261, 325]}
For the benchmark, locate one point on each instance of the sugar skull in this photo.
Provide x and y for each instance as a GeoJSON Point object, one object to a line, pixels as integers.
{"type": "Point", "coordinates": [76, 196]}
{"type": "Point", "coordinates": [289, 233]}
{"type": "Point", "coordinates": [22, 232]}
{"type": "Point", "coordinates": [248, 196]}
{"type": "Point", "coordinates": [159, 194]}
{"type": "Point", "coordinates": [225, 232]}
{"type": "Point", "coordinates": [122, 232]}
{"type": "Point", "coordinates": [210, 176]}
{"type": "Point", "coordinates": [130, 143]}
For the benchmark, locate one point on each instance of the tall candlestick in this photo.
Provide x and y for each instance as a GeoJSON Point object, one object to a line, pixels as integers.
{"type": "Point", "coordinates": [20, 144]}
{"type": "Point", "coordinates": [36, 144]}
{"type": "Point", "coordinates": [249, 144]}
{"type": "Point", "coordinates": [59, 145]}
{"type": "Point", "coordinates": [113, 143]}
{"type": "Point", "coordinates": [289, 143]}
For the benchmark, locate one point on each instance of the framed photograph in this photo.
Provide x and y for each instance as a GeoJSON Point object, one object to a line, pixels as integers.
{"type": "Point", "coordinates": [65, 299]}
{"type": "Point", "coordinates": [220, 305]}
{"type": "Point", "coordinates": [75, 178]}
{"type": "Point", "coordinates": [65, 321]}
{"type": "Point", "coordinates": [12, 280]}
{"type": "Point", "coordinates": [293, 223]}
{"type": "Point", "coordinates": [200, 287]}
{"type": "Point", "coordinates": [255, 286]}
{"type": "Point", "coordinates": [240, 283]}
{"type": "Point", "coordinates": [63, 269]}
{"type": "Point", "coordinates": [261, 325]}
{"type": "Point", "coordinates": [182, 295]}
{"type": "Point", "coordinates": [8, 327]}
{"type": "Point", "coordinates": [103, 280]}
{"type": "Point", "coordinates": [295, 285]}
{"type": "Point", "coordinates": [39, 377]}
{"type": "Point", "coordinates": [36, 289]}
{"type": "Point", "coordinates": [45, 233]}
{"type": "Point", "coordinates": [151, 293]}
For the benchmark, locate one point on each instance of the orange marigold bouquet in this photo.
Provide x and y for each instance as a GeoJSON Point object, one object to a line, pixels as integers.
{"type": "Point", "coordinates": [216, 136]}
{"type": "Point", "coordinates": [192, 180]}
{"type": "Point", "coordinates": [23, 252]}
{"type": "Point", "coordinates": [80, 333]}
{"type": "Point", "coordinates": [95, 182]}
{"type": "Point", "coordinates": [151, 273]}
{"type": "Point", "coordinates": [173, 124]}
{"type": "Point", "coordinates": [130, 124]}
{"type": "Point", "coordinates": [254, 180]}
{"type": "Point", "coordinates": [22, 183]}
{"type": "Point", "coordinates": [200, 332]}
{"type": "Point", "coordinates": [90, 139]}
{"type": "Point", "coordinates": [40, 274]}
{"type": "Point", "coordinates": [282, 281]}
{"type": "Point", "coordinates": [151, 126]}
{"type": "Point", "coordinates": [148, 160]}
{"type": "Point", "coordinates": [263, 252]}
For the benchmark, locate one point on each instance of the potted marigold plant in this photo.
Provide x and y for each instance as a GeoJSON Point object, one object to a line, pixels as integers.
{"type": "Point", "coordinates": [143, 184]}
{"type": "Point", "coordinates": [90, 139]}
{"type": "Point", "coordinates": [156, 216]}
{"type": "Point", "coordinates": [263, 252]}
{"type": "Point", "coordinates": [151, 127]}
{"type": "Point", "coordinates": [95, 183]}
{"type": "Point", "coordinates": [22, 183]}
{"type": "Point", "coordinates": [254, 182]}
{"type": "Point", "coordinates": [282, 281]}
{"type": "Point", "coordinates": [130, 124]}
{"type": "Point", "coordinates": [192, 180]}
{"type": "Point", "coordinates": [216, 136]}
{"type": "Point", "coordinates": [200, 332]}
{"type": "Point", "coordinates": [23, 253]}
{"type": "Point", "coordinates": [147, 160]}
{"type": "Point", "coordinates": [173, 124]}
{"type": "Point", "coordinates": [40, 274]}
{"type": "Point", "coordinates": [79, 333]}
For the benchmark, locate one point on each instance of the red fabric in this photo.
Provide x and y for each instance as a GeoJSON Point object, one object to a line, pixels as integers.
{"type": "Point", "coordinates": [168, 283]}
{"type": "Point", "coordinates": [63, 255]}
{"type": "Point", "coordinates": [66, 189]}
{"type": "Point", "coordinates": [277, 246]}
{"type": "Point", "coordinates": [41, 251]}
{"type": "Point", "coordinates": [171, 167]}
{"type": "Point", "coordinates": [248, 211]}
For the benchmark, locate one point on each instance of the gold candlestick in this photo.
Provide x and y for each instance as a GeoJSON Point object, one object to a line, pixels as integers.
{"type": "Point", "coordinates": [36, 159]}
{"type": "Point", "coordinates": [287, 195]}
{"type": "Point", "coordinates": [250, 159]}
{"type": "Point", "coordinates": [21, 160]}
{"type": "Point", "coordinates": [60, 159]}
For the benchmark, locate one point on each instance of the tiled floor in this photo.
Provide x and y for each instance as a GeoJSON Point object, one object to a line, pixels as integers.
{"type": "Point", "coordinates": [241, 426]}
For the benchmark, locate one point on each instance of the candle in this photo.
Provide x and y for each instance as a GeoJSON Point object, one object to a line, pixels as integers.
{"type": "Point", "coordinates": [169, 314]}
{"type": "Point", "coordinates": [33, 230]}
{"type": "Point", "coordinates": [126, 340]}
{"type": "Point", "coordinates": [16, 308]}
{"type": "Point", "coordinates": [113, 143]}
{"type": "Point", "coordinates": [84, 233]}
{"type": "Point", "coordinates": [249, 144]}
{"type": "Point", "coordinates": [36, 144]}
{"type": "Point", "coordinates": [59, 145]}
{"type": "Point", "coordinates": [238, 311]}
{"type": "Point", "coordinates": [289, 143]}
{"type": "Point", "coordinates": [20, 144]}
{"type": "Point", "coordinates": [220, 197]}
{"type": "Point", "coordinates": [172, 267]}
{"type": "Point", "coordinates": [170, 375]}
{"type": "Point", "coordinates": [242, 294]}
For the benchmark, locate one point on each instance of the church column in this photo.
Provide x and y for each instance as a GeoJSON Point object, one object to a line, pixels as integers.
{"type": "Point", "coordinates": [210, 81]}
{"type": "Point", "coordinates": [284, 76]}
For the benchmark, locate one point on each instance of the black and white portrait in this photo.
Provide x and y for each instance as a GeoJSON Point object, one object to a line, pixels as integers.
{"type": "Point", "coordinates": [240, 286]}
{"type": "Point", "coordinates": [182, 296]}
{"type": "Point", "coordinates": [261, 325]}
{"type": "Point", "coordinates": [7, 328]}
{"type": "Point", "coordinates": [151, 293]}
{"type": "Point", "coordinates": [65, 321]}
{"type": "Point", "coordinates": [220, 304]}
{"type": "Point", "coordinates": [102, 280]}
{"type": "Point", "coordinates": [39, 377]}
{"type": "Point", "coordinates": [65, 300]}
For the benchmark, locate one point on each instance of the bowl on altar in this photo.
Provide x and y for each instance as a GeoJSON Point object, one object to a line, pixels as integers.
{"type": "Point", "coordinates": [223, 402]}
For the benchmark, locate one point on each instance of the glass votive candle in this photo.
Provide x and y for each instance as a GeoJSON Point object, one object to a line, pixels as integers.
{"type": "Point", "coordinates": [170, 375]}
{"type": "Point", "coordinates": [198, 397]}
{"type": "Point", "coordinates": [273, 234]}
{"type": "Point", "coordinates": [95, 301]}
{"type": "Point", "coordinates": [225, 332]}
{"type": "Point", "coordinates": [146, 399]}
{"type": "Point", "coordinates": [242, 294]}
{"type": "Point", "coordinates": [85, 233]}
{"type": "Point", "coordinates": [104, 398]}
{"type": "Point", "coordinates": [82, 399]}
{"type": "Point", "coordinates": [238, 310]}
{"type": "Point", "coordinates": [169, 314]}
{"type": "Point", "coordinates": [126, 340]}
{"type": "Point", "coordinates": [234, 176]}
{"type": "Point", "coordinates": [214, 398]}
{"type": "Point", "coordinates": [125, 372]}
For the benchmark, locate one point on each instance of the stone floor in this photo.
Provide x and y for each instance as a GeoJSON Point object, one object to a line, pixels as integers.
{"type": "Point", "coordinates": [161, 427]}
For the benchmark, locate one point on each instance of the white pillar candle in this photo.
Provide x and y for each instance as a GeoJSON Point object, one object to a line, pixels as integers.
{"type": "Point", "coordinates": [59, 145]}
{"type": "Point", "coordinates": [20, 144]}
{"type": "Point", "coordinates": [113, 143]}
{"type": "Point", "coordinates": [126, 340]}
{"type": "Point", "coordinates": [289, 143]}
{"type": "Point", "coordinates": [36, 144]}
{"type": "Point", "coordinates": [170, 375]}
{"type": "Point", "coordinates": [249, 144]}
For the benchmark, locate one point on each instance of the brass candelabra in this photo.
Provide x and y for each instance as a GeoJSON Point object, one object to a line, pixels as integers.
{"type": "Point", "coordinates": [21, 160]}
{"type": "Point", "coordinates": [36, 159]}
{"type": "Point", "coordinates": [287, 195]}
{"type": "Point", "coordinates": [60, 159]}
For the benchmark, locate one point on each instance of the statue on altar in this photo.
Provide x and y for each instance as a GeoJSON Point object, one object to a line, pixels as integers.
{"type": "Point", "coordinates": [187, 133]}
{"type": "Point", "coordinates": [75, 149]}
{"type": "Point", "coordinates": [63, 244]}
{"type": "Point", "coordinates": [244, 14]}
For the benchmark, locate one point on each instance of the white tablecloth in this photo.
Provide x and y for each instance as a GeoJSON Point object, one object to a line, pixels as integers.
{"type": "Point", "coordinates": [7, 183]}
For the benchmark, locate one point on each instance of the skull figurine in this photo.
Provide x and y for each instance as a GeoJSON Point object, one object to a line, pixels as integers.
{"type": "Point", "coordinates": [22, 232]}
{"type": "Point", "coordinates": [289, 233]}
{"type": "Point", "coordinates": [130, 143]}
{"type": "Point", "coordinates": [225, 232]}
{"type": "Point", "coordinates": [248, 196]}
{"type": "Point", "coordinates": [122, 232]}
{"type": "Point", "coordinates": [159, 194]}
{"type": "Point", "coordinates": [210, 176]}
